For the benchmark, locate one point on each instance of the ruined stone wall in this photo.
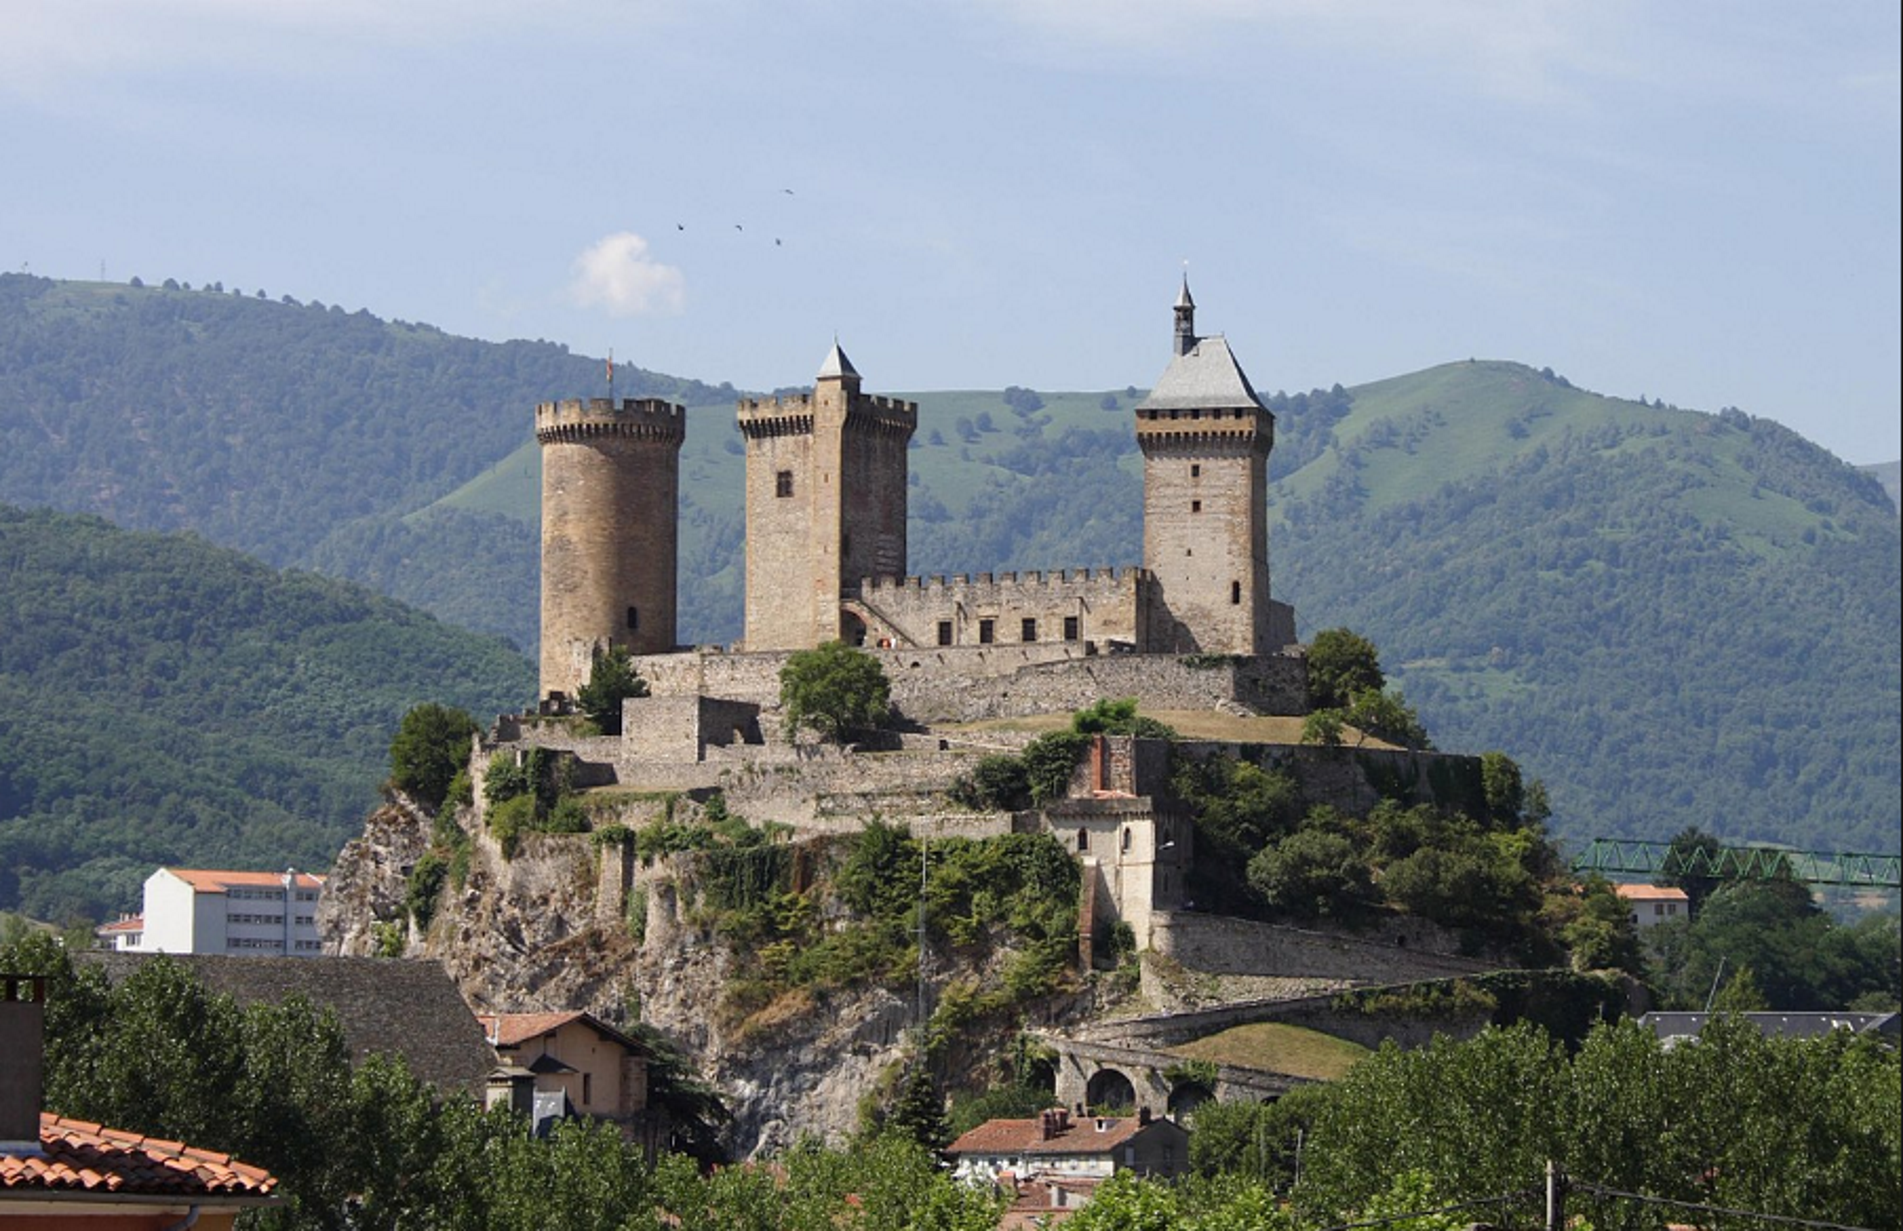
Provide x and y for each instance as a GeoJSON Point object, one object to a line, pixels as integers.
{"type": "Point", "coordinates": [682, 728]}
{"type": "Point", "coordinates": [1070, 606]}
{"type": "Point", "coordinates": [610, 497]}
{"type": "Point", "coordinates": [1205, 528]}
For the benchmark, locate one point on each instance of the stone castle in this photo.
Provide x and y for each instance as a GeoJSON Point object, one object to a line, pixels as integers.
{"type": "Point", "coordinates": [826, 490]}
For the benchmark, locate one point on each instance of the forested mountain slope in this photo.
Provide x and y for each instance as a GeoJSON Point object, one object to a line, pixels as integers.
{"type": "Point", "coordinates": [1673, 617]}
{"type": "Point", "coordinates": [163, 700]}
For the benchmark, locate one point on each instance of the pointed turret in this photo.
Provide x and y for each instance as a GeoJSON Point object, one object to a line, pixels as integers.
{"type": "Point", "coordinates": [1185, 319]}
{"type": "Point", "coordinates": [838, 367]}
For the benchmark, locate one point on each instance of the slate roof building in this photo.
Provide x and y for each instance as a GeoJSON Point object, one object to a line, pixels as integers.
{"type": "Point", "coordinates": [1677, 1027]}
{"type": "Point", "coordinates": [411, 1008]}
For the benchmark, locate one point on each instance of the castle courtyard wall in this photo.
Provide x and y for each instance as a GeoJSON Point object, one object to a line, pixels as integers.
{"type": "Point", "coordinates": [1100, 606]}
{"type": "Point", "coordinates": [969, 683]}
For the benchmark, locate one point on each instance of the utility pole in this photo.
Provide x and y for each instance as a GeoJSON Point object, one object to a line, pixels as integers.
{"type": "Point", "coordinates": [1555, 1197]}
{"type": "Point", "coordinates": [1713, 993]}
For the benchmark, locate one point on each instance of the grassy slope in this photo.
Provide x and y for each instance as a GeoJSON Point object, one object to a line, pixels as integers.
{"type": "Point", "coordinates": [1276, 1047]}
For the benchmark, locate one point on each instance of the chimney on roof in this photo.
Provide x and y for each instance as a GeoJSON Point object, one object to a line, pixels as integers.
{"type": "Point", "coordinates": [1046, 1125]}
{"type": "Point", "coordinates": [1143, 1115]}
{"type": "Point", "coordinates": [22, 1055]}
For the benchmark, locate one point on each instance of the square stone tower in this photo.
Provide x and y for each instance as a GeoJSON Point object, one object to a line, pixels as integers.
{"type": "Point", "coordinates": [826, 504]}
{"type": "Point", "coordinates": [1206, 438]}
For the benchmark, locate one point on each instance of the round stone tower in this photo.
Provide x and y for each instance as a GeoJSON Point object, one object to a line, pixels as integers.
{"type": "Point", "coordinates": [610, 496]}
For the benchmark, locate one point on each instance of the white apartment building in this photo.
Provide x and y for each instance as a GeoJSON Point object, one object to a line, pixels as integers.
{"type": "Point", "coordinates": [1652, 905]}
{"type": "Point", "coordinates": [243, 914]}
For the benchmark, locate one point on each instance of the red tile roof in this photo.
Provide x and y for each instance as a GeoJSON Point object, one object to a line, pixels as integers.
{"type": "Point", "coordinates": [211, 880]}
{"type": "Point", "coordinates": [1650, 893]}
{"type": "Point", "coordinates": [82, 1157]}
{"type": "Point", "coordinates": [1080, 1136]}
{"type": "Point", "coordinates": [515, 1029]}
{"type": "Point", "coordinates": [131, 923]}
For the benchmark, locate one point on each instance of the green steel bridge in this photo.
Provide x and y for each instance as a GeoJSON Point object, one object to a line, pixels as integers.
{"type": "Point", "coordinates": [1623, 855]}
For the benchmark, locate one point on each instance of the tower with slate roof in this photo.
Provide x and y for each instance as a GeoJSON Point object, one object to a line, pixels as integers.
{"type": "Point", "coordinates": [826, 505]}
{"type": "Point", "coordinates": [1206, 438]}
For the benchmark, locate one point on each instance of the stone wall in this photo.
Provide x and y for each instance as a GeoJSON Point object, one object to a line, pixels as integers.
{"type": "Point", "coordinates": [1314, 1012]}
{"type": "Point", "coordinates": [1220, 944]}
{"type": "Point", "coordinates": [967, 683]}
{"type": "Point", "coordinates": [1072, 605]}
{"type": "Point", "coordinates": [1356, 779]}
{"type": "Point", "coordinates": [683, 728]}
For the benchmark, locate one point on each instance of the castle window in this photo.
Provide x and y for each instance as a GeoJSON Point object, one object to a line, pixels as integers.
{"type": "Point", "coordinates": [1072, 628]}
{"type": "Point", "coordinates": [783, 483]}
{"type": "Point", "coordinates": [944, 632]}
{"type": "Point", "coordinates": [587, 1089]}
{"type": "Point", "coordinates": [634, 619]}
{"type": "Point", "coordinates": [1195, 470]}
{"type": "Point", "coordinates": [1083, 839]}
{"type": "Point", "coordinates": [1126, 839]}
{"type": "Point", "coordinates": [1195, 506]}
{"type": "Point", "coordinates": [987, 631]}
{"type": "Point", "coordinates": [1028, 630]}
{"type": "Point", "coordinates": [1235, 593]}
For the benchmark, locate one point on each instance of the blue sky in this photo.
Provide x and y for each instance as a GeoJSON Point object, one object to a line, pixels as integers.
{"type": "Point", "coordinates": [1692, 201]}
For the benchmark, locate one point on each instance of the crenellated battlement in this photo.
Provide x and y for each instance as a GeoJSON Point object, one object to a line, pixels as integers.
{"type": "Point", "coordinates": [793, 414]}
{"type": "Point", "coordinates": [583, 418]}
{"type": "Point", "coordinates": [1226, 428]}
{"type": "Point", "coordinates": [874, 588]}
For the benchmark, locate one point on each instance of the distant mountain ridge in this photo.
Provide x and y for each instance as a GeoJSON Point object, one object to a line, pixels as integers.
{"type": "Point", "coordinates": [164, 700]}
{"type": "Point", "coordinates": [1674, 617]}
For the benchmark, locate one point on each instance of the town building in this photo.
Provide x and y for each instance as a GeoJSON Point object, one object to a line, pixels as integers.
{"type": "Point", "coordinates": [1652, 905]}
{"type": "Point", "coordinates": [1056, 1146]}
{"type": "Point", "coordinates": [201, 910]}
{"type": "Point", "coordinates": [558, 1065]}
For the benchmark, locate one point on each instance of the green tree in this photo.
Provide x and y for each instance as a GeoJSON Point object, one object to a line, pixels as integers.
{"type": "Point", "coordinates": [1501, 782]}
{"type": "Point", "coordinates": [611, 680]}
{"type": "Point", "coordinates": [919, 1113]}
{"type": "Point", "coordinates": [430, 748]}
{"type": "Point", "coordinates": [1387, 716]}
{"type": "Point", "coordinates": [1312, 872]}
{"type": "Point", "coordinates": [834, 691]}
{"type": "Point", "coordinates": [1341, 663]}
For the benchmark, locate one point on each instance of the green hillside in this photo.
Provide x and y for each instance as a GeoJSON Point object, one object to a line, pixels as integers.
{"type": "Point", "coordinates": [1673, 617]}
{"type": "Point", "coordinates": [165, 700]}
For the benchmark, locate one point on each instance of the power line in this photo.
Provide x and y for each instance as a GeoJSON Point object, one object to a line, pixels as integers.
{"type": "Point", "coordinates": [1602, 1191]}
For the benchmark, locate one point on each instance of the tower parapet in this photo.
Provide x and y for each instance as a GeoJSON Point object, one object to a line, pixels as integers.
{"type": "Point", "coordinates": [826, 504]}
{"type": "Point", "coordinates": [610, 542]}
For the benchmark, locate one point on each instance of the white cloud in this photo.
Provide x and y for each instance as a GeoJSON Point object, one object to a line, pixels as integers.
{"type": "Point", "coordinates": [617, 274]}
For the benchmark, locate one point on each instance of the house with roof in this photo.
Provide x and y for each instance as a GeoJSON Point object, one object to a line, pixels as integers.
{"type": "Point", "coordinates": [58, 1172]}
{"type": "Point", "coordinates": [408, 1007]}
{"type": "Point", "coordinates": [1674, 1028]}
{"type": "Point", "coordinates": [205, 910]}
{"type": "Point", "coordinates": [1055, 1146]}
{"type": "Point", "coordinates": [1652, 905]}
{"type": "Point", "coordinates": [558, 1065]}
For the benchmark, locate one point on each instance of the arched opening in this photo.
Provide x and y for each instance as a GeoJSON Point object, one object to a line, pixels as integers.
{"type": "Point", "coordinates": [852, 629]}
{"type": "Point", "coordinates": [1186, 1098]}
{"type": "Point", "coordinates": [1083, 839]}
{"type": "Point", "coordinates": [1110, 1093]}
